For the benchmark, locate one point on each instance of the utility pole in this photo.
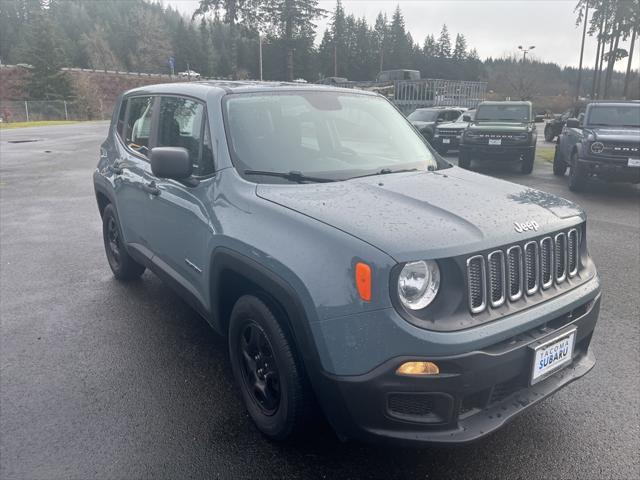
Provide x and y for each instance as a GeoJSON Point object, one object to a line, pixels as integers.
{"type": "Point", "coordinates": [525, 51]}
{"type": "Point", "coordinates": [260, 53]}
{"type": "Point", "coordinates": [335, 58]}
{"type": "Point", "coordinates": [584, 34]}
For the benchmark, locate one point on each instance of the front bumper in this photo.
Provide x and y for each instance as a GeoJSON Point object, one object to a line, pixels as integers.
{"type": "Point", "coordinates": [613, 169]}
{"type": "Point", "coordinates": [474, 394]}
{"type": "Point", "coordinates": [496, 152]}
{"type": "Point", "coordinates": [440, 142]}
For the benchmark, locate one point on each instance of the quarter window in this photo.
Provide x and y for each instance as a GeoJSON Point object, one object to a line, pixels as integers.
{"type": "Point", "coordinates": [138, 126]}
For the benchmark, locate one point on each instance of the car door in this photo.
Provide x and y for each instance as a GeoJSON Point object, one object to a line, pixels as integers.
{"type": "Point", "coordinates": [131, 168]}
{"type": "Point", "coordinates": [178, 223]}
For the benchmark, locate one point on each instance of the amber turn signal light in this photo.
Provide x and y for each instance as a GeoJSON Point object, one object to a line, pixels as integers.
{"type": "Point", "coordinates": [418, 368]}
{"type": "Point", "coordinates": [363, 281]}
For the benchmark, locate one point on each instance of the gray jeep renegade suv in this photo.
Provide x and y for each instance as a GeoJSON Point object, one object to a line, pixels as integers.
{"type": "Point", "coordinates": [348, 265]}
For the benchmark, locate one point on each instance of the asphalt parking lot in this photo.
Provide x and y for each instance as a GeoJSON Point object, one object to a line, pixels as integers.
{"type": "Point", "coordinates": [103, 380]}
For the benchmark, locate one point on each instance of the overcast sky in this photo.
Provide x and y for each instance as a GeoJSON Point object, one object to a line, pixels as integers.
{"type": "Point", "coordinates": [494, 27]}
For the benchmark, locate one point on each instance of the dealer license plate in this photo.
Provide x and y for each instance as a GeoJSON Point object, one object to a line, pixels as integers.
{"type": "Point", "coordinates": [495, 141]}
{"type": "Point", "coordinates": [634, 162]}
{"type": "Point", "coordinates": [446, 140]}
{"type": "Point", "coordinates": [553, 355]}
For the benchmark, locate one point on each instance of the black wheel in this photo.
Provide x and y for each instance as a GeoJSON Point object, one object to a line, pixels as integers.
{"type": "Point", "coordinates": [266, 367]}
{"type": "Point", "coordinates": [527, 162]}
{"type": "Point", "coordinates": [464, 160]}
{"type": "Point", "coordinates": [548, 133]}
{"type": "Point", "coordinates": [122, 265]}
{"type": "Point", "coordinates": [577, 178]}
{"type": "Point", "coordinates": [559, 165]}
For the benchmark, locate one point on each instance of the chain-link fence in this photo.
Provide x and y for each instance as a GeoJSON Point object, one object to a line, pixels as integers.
{"type": "Point", "coordinates": [41, 110]}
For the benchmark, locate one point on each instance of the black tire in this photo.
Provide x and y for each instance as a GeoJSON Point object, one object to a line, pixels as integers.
{"type": "Point", "coordinates": [464, 160]}
{"type": "Point", "coordinates": [268, 371]}
{"type": "Point", "coordinates": [559, 165]}
{"type": "Point", "coordinates": [124, 267]}
{"type": "Point", "coordinates": [527, 162]}
{"type": "Point", "coordinates": [577, 178]}
{"type": "Point", "coordinates": [548, 133]}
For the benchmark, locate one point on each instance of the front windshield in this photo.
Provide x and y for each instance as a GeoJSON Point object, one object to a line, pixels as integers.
{"type": "Point", "coordinates": [333, 135]}
{"type": "Point", "coordinates": [511, 113]}
{"type": "Point", "coordinates": [615, 115]}
{"type": "Point", "coordinates": [423, 115]}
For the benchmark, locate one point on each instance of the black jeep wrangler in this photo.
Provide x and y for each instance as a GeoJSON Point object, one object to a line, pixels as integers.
{"type": "Point", "coordinates": [500, 131]}
{"type": "Point", "coordinates": [603, 142]}
{"type": "Point", "coordinates": [554, 127]}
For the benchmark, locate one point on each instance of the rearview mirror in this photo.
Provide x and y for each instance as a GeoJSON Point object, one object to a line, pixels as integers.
{"type": "Point", "coordinates": [466, 118]}
{"type": "Point", "coordinates": [573, 123]}
{"type": "Point", "coordinates": [171, 162]}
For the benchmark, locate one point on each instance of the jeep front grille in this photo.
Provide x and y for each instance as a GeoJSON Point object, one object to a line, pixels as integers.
{"type": "Point", "coordinates": [515, 270]}
{"type": "Point", "coordinates": [448, 133]}
{"type": "Point", "coordinates": [477, 281]}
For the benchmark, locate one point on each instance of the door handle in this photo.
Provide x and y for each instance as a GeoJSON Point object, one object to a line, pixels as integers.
{"type": "Point", "coordinates": [151, 188]}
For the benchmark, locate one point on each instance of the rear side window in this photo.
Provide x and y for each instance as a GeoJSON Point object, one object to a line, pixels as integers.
{"type": "Point", "coordinates": [138, 124]}
{"type": "Point", "coordinates": [182, 124]}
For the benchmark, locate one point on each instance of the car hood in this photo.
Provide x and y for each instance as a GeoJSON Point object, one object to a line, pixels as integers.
{"type": "Point", "coordinates": [427, 214]}
{"type": "Point", "coordinates": [501, 126]}
{"type": "Point", "coordinates": [420, 125]}
{"type": "Point", "coordinates": [616, 134]}
{"type": "Point", "coordinates": [452, 126]}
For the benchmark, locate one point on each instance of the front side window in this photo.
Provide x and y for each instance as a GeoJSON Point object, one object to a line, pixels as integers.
{"type": "Point", "coordinates": [138, 125]}
{"type": "Point", "coordinates": [507, 113]}
{"type": "Point", "coordinates": [334, 135]}
{"type": "Point", "coordinates": [182, 123]}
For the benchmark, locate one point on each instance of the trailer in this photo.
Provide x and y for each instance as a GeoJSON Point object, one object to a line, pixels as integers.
{"type": "Point", "coordinates": [428, 92]}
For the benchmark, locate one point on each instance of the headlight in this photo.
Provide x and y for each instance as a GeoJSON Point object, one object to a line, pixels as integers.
{"type": "Point", "coordinates": [597, 147]}
{"type": "Point", "coordinates": [418, 284]}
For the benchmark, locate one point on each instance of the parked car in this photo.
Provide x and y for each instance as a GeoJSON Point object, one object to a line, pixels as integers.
{"type": "Point", "coordinates": [602, 142]}
{"type": "Point", "coordinates": [189, 74]}
{"type": "Point", "coordinates": [500, 131]}
{"type": "Point", "coordinates": [346, 264]}
{"type": "Point", "coordinates": [426, 119]}
{"type": "Point", "coordinates": [400, 74]}
{"type": "Point", "coordinates": [332, 80]}
{"type": "Point", "coordinates": [447, 136]}
{"type": "Point", "coordinates": [554, 127]}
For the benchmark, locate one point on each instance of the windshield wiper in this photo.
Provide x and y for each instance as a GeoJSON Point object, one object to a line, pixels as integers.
{"type": "Point", "coordinates": [386, 171]}
{"type": "Point", "coordinates": [293, 175]}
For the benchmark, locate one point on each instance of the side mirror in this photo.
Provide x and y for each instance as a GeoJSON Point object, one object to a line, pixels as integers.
{"type": "Point", "coordinates": [573, 123]}
{"type": "Point", "coordinates": [171, 162]}
{"type": "Point", "coordinates": [466, 118]}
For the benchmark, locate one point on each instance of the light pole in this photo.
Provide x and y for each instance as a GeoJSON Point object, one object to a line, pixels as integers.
{"type": "Point", "coordinates": [525, 51]}
{"type": "Point", "coordinates": [260, 53]}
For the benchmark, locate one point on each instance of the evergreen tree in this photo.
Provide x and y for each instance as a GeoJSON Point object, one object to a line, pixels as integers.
{"type": "Point", "coordinates": [339, 37]}
{"type": "Point", "coordinates": [430, 47]}
{"type": "Point", "coordinates": [47, 80]}
{"type": "Point", "coordinates": [381, 32]}
{"type": "Point", "coordinates": [244, 11]}
{"type": "Point", "coordinates": [399, 46]}
{"type": "Point", "coordinates": [444, 43]}
{"type": "Point", "coordinates": [292, 23]}
{"type": "Point", "coordinates": [460, 49]}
